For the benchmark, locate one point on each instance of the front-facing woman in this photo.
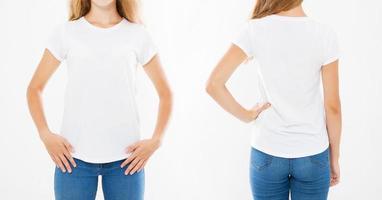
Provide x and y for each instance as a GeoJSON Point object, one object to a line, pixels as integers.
{"type": "Point", "coordinates": [102, 45]}
{"type": "Point", "coordinates": [296, 133]}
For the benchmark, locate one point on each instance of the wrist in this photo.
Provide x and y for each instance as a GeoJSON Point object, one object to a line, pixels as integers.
{"type": "Point", "coordinates": [157, 140]}
{"type": "Point", "coordinates": [334, 153]}
{"type": "Point", "coordinates": [334, 158]}
{"type": "Point", "coordinates": [44, 133]}
{"type": "Point", "coordinates": [247, 116]}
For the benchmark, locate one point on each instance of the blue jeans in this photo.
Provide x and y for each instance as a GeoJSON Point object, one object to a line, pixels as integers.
{"type": "Point", "coordinates": [82, 183]}
{"type": "Point", "coordinates": [306, 178]}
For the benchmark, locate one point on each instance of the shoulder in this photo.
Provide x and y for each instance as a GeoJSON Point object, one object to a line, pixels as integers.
{"type": "Point", "coordinates": [66, 26]}
{"type": "Point", "coordinates": [136, 28]}
{"type": "Point", "coordinates": [325, 29]}
{"type": "Point", "coordinates": [73, 24]}
{"type": "Point", "coordinates": [137, 31]}
{"type": "Point", "coordinates": [329, 30]}
{"type": "Point", "coordinates": [324, 33]}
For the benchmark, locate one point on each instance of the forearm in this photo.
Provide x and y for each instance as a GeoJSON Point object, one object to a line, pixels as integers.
{"type": "Point", "coordinates": [37, 111]}
{"type": "Point", "coordinates": [225, 99]}
{"type": "Point", "coordinates": [333, 124]}
{"type": "Point", "coordinates": [163, 117]}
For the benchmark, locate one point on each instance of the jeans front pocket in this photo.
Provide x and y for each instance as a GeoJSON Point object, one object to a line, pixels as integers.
{"type": "Point", "coordinates": [260, 160]}
{"type": "Point", "coordinates": [321, 159]}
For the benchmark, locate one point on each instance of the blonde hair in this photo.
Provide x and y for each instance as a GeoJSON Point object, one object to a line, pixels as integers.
{"type": "Point", "coordinates": [269, 7]}
{"type": "Point", "coordinates": [127, 9]}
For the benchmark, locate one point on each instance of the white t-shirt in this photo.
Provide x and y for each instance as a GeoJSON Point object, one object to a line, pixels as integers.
{"type": "Point", "coordinates": [290, 52]}
{"type": "Point", "coordinates": [100, 115]}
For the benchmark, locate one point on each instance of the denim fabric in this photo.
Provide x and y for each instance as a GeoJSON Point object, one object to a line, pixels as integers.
{"type": "Point", "coordinates": [82, 183]}
{"type": "Point", "coordinates": [275, 178]}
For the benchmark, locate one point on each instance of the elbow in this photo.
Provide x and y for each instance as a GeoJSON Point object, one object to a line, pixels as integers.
{"type": "Point", "coordinates": [29, 91]}
{"type": "Point", "coordinates": [211, 87]}
{"type": "Point", "coordinates": [166, 96]}
{"type": "Point", "coordinates": [33, 89]}
{"type": "Point", "coordinates": [333, 108]}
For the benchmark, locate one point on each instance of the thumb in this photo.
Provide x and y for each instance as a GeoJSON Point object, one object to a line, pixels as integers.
{"type": "Point", "coordinates": [132, 147]}
{"type": "Point", "coordinates": [265, 106]}
{"type": "Point", "coordinates": [259, 107]}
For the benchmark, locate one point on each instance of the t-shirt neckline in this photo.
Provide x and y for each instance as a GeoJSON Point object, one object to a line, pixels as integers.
{"type": "Point", "coordinates": [116, 26]}
{"type": "Point", "coordinates": [289, 18]}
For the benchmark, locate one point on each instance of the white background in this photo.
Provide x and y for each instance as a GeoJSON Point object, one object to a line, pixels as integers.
{"type": "Point", "coordinates": [205, 155]}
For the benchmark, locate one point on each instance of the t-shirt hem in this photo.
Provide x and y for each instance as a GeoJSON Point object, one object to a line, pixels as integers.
{"type": "Point", "coordinates": [331, 60]}
{"type": "Point", "coordinates": [99, 160]}
{"type": "Point", "coordinates": [54, 53]}
{"type": "Point", "coordinates": [236, 43]}
{"type": "Point", "coordinates": [290, 155]}
{"type": "Point", "coordinates": [148, 58]}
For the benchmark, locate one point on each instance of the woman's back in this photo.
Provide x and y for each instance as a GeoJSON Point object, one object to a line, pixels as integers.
{"type": "Point", "coordinates": [290, 52]}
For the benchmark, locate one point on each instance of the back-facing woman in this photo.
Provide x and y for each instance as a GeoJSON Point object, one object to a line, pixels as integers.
{"type": "Point", "coordinates": [102, 44]}
{"type": "Point", "coordinates": [296, 132]}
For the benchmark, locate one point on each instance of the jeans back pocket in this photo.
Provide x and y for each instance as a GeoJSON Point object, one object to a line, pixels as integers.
{"type": "Point", "coordinates": [260, 160]}
{"type": "Point", "coordinates": [321, 159]}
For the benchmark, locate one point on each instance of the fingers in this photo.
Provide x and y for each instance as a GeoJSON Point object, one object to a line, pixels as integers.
{"type": "Point", "coordinates": [62, 160]}
{"type": "Point", "coordinates": [66, 152]}
{"type": "Point", "coordinates": [66, 163]}
{"type": "Point", "coordinates": [140, 152]}
{"type": "Point", "coordinates": [143, 166]}
{"type": "Point", "coordinates": [132, 147]}
{"type": "Point", "coordinates": [68, 146]}
{"type": "Point", "coordinates": [333, 182]}
{"type": "Point", "coordinates": [131, 166]}
{"type": "Point", "coordinates": [258, 108]}
{"type": "Point", "coordinates": [59, 163]}
{"type": "Point", "coordinates": [128, 160]}
{"type": "Point", "coordinates": [54, 160]}
{"type": "Point", "coordinates": [334, 178]}
{"type": "Point", "coordinates": [137, 167]}
{"type": "Point", "coordinates": [263, 107]}
{"type": "Point", "coordinates": [70, 158]}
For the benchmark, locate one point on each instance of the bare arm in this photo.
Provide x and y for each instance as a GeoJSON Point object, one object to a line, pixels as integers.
{"type": "Point", "coordinates": [44, 71]}
{"type": "Point", "coordinates": [58, 148]}
{"type": "Point", "coordinates": [142, 150]}
{"type": "Point", "coordinates": [155, 72]}
{"type": "Point", "coordinates": [216, 86]}
{"type": "Point", "coordinates": [333, 114]}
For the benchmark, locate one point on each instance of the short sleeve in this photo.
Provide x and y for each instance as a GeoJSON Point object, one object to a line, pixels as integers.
{"type": "Point", "coordinates": [56, 43]}
{"type": "Point", "coordinates": [146, 48]}
{"type": "Point", "coordinates": [332, 51]}
{"type": "Point", "coordinates": [243, 39]}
